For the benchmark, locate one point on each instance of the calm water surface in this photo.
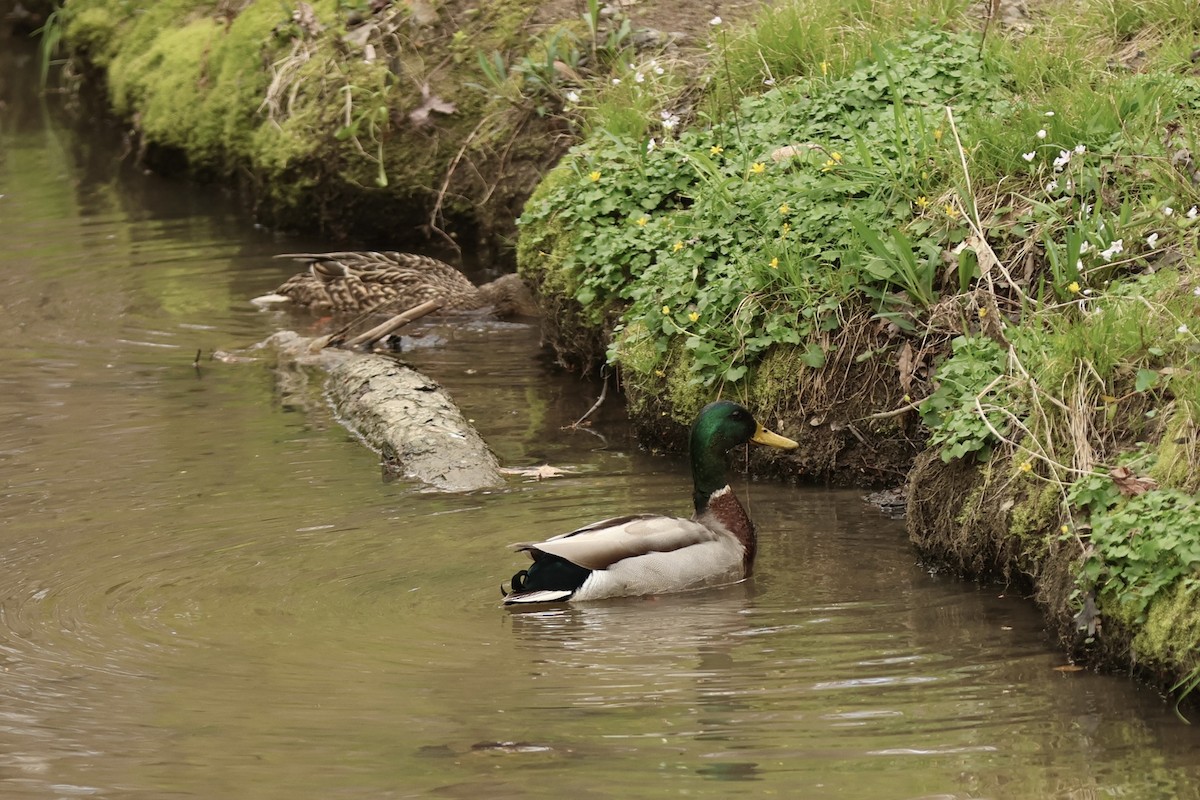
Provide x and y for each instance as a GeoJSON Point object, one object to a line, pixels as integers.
{"type": "Point", "coordinates": [207, 591]}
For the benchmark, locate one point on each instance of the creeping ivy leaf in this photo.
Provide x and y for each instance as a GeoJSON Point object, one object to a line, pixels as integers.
{"type": "Point", "coordinates": [814, 356]}
{"type": "Point", "coordinates": [1146, 379]}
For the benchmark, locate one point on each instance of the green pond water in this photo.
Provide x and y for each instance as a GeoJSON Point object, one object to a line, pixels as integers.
{"type": "Point", "coordinates": [207, 589]}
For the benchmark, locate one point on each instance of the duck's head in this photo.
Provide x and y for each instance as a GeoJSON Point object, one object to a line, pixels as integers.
{"type": "Point", "coordinates": [724, 425]}
{"type": "Point", "coordinates": [721, 426]}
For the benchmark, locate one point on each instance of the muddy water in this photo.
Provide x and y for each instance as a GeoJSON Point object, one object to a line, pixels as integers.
{"type": "Point", "coordinates": [207, 590]}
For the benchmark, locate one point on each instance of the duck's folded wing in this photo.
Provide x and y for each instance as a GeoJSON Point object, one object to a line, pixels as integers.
{"type": "Point", "coordinates": [604, 543]}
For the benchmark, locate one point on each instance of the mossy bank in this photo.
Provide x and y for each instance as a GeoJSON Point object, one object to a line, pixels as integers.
{"type": "Point", "coordinates": [937, 248]}
{"type": "Point", "coordinates": [372, 119]}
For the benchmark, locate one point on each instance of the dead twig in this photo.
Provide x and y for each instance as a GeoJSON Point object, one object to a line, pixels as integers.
{"type": "Point", "coordinates": [436, 213]}
{"type": "Point", "coordinates": [599, 400]}
{"type": "Point", "coordinates": [369, 338]}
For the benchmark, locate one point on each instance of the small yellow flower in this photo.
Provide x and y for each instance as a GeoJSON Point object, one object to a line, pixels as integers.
{"type": "Point", "coordinates": [836, 157]}
{"type": "Point", "coordinates": [1026, 466]}
{"type": "Point", "coordinates": [716, 150]}
{"type": "Point", "coordinates": [1073, 287]}
{"type": "Point", "coordinates": [824, 68]}
{"type": "Point", "coordinates": [758, 168]}
{"type": "Point", "coordinates": [785, 209]}
{"type": "Point", "coordinates": [694, 317]}
{"type": "Point", "coordinates": [937, 134]}
{"type": "Point", "coordinates": [774, 263]}
{"type": "Point", "coordinates": [666, 310]}
{"type": "Point", "coordinates": [983, 312]}
{"type": "Point", "coordinates": [660, 373]}
{"type": "Point", "coordinates": [828, 165]}
{"type": "Point", "coordinates": [951, 211]}
{"type": "Point", "coordinates": [922, 202]}
{"type": "Point", "coordinates": [675, 248]}
{"type": "Point", "coordinates": [1065, 529]}
{"type": "Point", "coordinates": [594, 175]}
{"type": "Point", "coordinates": [641, 221]}
{"type": "Point", "coordinates": [787, 226]}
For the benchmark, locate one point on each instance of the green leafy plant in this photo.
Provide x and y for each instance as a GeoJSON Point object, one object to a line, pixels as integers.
{"type": "Point", "coordinates": [757, 244]}
{"type": "Point", "coordinates": [1141, 546]}
{"type": "Point", "coordinates": [971, 381]}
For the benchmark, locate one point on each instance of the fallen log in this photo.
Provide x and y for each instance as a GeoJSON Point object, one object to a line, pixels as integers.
{"type": "Point", "coordinates": [402, 414]}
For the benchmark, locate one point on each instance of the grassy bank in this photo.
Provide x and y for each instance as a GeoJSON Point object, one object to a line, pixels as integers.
{"type": "Point", "coordinates": [920, 242]}
{"type": "Point", "coordinates": [382, 120]}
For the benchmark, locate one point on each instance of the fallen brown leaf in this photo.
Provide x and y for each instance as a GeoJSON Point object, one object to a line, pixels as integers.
{"type": "Point", "coordinates": [1129, 484]}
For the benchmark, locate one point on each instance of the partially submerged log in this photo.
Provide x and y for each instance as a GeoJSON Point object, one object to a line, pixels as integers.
{"type": "Point", "coordinates": [403, 414]}
{"type": "Point", "coordinates": [409, 418]}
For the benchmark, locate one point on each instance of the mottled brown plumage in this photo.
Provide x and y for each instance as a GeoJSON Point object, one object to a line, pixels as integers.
{"type": "Point", "coordinates": [355, 282]}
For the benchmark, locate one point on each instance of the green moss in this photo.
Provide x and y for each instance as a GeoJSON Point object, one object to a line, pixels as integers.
{"type": "Point", "coordinates": [1034, 518]}
{"type": "Point", "coordinates": [91, 33]}
{"type": "Point", "coordinates": [1171, 632]}
{"type": "Point", "coordinates": [161, 83]}
{"type": "Point", "coordinates": [544, 247]}
{"type": "Point", "coordinates": [303, 115]}
{"type": "Point", "coordinates": [775, 382]}
{"type": "Point", "coordinates": [1177, 451]}
{"type": "Point", "coordinates": [971, 505]}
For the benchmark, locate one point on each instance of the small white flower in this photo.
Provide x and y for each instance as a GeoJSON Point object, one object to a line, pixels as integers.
{"type": "Point", "coordinates": [669, 120]}
{"type": "Point", "coordinates": [1084, 246]}
{"type": "Point", "coordinates": [573, 96]}
{"type": "Point", "coordinates": [616, 81]}
{"type": "Point", "coordinates": [768, 81]}
{"type": "Point", "coordinates": [650, 145]}
{"type": "Point", "coordinates": [1029, 156]}
{"type": "Point", "coordinates": [1048, 114]}
{"type": "Point", "coordinates": [659, 70]}
{"type": "Point", "coordinates": [1051, 186]}
{"type": "Point", "coordinates": [1182, 329]}
{"type": "Point", "coordinates": [715, 21]}
{"type": "Point", "coordinates": [1196, 291]}
{"type": "Point", "coordinates": [1168, 211]}
{"type": "Point", "coordinates": [1079, 265]}
{"type": "Point", "coordinates": [1087, 292]}
{"type": "Point", "coordinates": [1152, 239]}
{"type": "Point", "coordinates": [1080, 149]}
{"type": "Point", "coordinates": [1064, 158]}
{"type": "Point", "coordinates": [1114, 249]}
{"type": "Point", "coordinates": [1041, 134]}
{"type": "Point", "coordinates": [1192, 212]}
{"type": "Point", "coordinates": [639, 77]}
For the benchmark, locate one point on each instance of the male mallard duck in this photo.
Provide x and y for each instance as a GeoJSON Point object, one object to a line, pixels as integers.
{"type": "Point", "coordinates": [651, 554]}
{"type": "Point", "coordinates": [357, 282]}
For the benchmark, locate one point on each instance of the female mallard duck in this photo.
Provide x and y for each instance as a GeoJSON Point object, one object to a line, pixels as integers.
{"type": "Point", "coordinates": [651, 554]}
{"type": "Point", "coordinates": [358, 282]}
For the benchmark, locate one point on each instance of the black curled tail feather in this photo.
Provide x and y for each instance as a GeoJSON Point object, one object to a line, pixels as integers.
{"type": "Point", "coordinates": [518, 581]}
{"type": "Point", "coordinates": [549, 573]}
